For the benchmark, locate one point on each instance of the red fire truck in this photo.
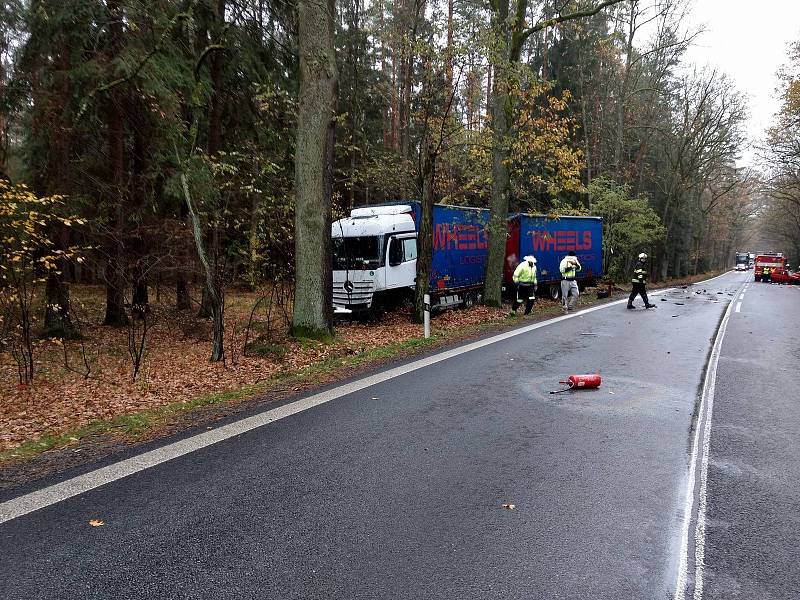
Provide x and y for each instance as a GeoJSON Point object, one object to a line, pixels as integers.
{"type": "Point", "coordinates": [774, 261]}
{"type": "Point", "coordinates": [778, 273]}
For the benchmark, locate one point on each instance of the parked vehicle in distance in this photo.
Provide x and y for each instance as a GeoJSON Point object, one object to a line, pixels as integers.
{"type": "Point", "coordinates": [549, 240]}
{"type": "Point", "coordinates": [375, 256]}
{"type": "Point", "coordinates": [742, 261]}
{"type": "Point", "coordinates": [774, 260]}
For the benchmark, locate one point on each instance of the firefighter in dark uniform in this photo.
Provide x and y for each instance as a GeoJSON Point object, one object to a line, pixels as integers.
{"type": "Point", "coordinates": [640, 282]}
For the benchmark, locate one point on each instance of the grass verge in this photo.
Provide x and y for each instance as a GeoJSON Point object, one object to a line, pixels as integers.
{"type": "Point", "coordinates": [137, 424]}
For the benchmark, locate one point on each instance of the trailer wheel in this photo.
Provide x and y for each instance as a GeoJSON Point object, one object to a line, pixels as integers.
{"type": "Point", "coordinates": [470, 300]}
{"type": "Point", "coordinates": [554, 291]}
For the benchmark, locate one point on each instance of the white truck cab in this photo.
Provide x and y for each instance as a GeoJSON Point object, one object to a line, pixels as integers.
{"type": "Point", "coordinates": [374, 252]}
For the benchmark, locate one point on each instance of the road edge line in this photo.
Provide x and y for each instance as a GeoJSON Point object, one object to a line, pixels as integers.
{"type": "Point", "coordinates": [704, 416]}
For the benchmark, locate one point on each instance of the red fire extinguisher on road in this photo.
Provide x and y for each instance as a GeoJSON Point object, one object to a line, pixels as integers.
{"type": "Point", "coordinates": [587, 382]}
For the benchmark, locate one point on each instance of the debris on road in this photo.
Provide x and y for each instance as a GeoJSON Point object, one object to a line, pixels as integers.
{"type": "Point", "coordinates": [509, 506]}
{"type": "Point", "coordinates": [96, 523]}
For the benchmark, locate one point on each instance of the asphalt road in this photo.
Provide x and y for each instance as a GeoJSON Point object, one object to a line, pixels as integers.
{"type": "Point", "coordinates": [753, 531]}
{"type": "Point", "coordinates": [397, 490]}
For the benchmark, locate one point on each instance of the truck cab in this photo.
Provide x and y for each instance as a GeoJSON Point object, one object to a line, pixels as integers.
{"type": "Point", "coordinates": [374, 252]}
{"type": "Point", "coordinates": [742, 258]}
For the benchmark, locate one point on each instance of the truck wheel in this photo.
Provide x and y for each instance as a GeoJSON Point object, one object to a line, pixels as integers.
{"type": "Point", "coordinates": [470, 299]}
{"type": "Point", "coordinates": [554, 291]}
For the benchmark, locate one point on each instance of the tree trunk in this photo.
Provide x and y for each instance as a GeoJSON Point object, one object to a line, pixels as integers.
{"type": "Point", "coordinates": [205, 310]}
{"type": "Point", "coordinates": [409, 47]}
{"type": "Point", "coordinates": [501, 179]}
{"type": "Point", "coordinates": [425, 235]}
{"type": "Point", "coordinates": [56, 179]}
{"type": "Point", "coordinates": [216, 19]}
{"type": "Point", "coordinates": [488, 92]}
{"type": "Point", "coordinates": [215, 114]}
{"type": "Point", "coordinates": [57, 319]}
{"type": "Point", "coordinates": [619, 138]}
{"type": "Point", "coordinates": [387, 110]}
{"type": "Point", "coordinates": [115, 276]}
{"type": "Point", "coordinates": [213, 282]}
{"type": "Point", "coordinates": [449, 57]}
{"type": "Point", "coordinates": [254, 276]}
{"type": "Point", "coordinates": [182, 299]}
{"type": "Point", "coordinates": [313, 303]}
{"type": "Point", "coordinates": [115, 292]}
{"type": "Point", "coordinates": [140, 303]}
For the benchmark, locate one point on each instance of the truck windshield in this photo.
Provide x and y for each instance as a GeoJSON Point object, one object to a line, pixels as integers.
{"type": "Point", "coordinates": [357, 252]}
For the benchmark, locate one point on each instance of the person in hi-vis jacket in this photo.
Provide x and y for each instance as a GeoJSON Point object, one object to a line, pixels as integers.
{"type": "Point", "coordinates": [525, 281]}
{"type": "Point", "coordinates": [569, 267]}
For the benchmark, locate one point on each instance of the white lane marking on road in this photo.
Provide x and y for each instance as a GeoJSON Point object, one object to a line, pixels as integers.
{"type": "Point", "coordinates": [738, 307]}
{"type": "Point", "coordinates": [704, 418]}
{"type": "Point", "coordinates": [741, 296]}
{"type": "Point", "coordinates": [715, 277]}
{"type": "Point", "coordinates": [22, 505]}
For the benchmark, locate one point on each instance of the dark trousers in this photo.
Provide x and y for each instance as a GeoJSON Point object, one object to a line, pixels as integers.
{"type": "Point", "coordinates": [638, 288]}
{"type": "Point", "coordinates": [524, 294]}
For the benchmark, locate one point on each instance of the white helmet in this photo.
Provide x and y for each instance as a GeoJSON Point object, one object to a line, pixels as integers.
{"type": "Point", "coordinates": [643, 256]}
{"type": "Point", "coordinates": [530, 259]}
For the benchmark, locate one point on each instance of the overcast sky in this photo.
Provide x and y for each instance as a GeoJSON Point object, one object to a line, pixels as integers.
{"type": "Point", "coordinates": [747, 39]}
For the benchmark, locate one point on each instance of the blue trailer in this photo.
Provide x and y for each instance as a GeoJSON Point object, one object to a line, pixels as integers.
{"type": "Point", "coordinates": [460, 247]}
{"type": "Point", "coordinates": [549, 240]}
{"type": "Point", "coordinates": [375, 255]}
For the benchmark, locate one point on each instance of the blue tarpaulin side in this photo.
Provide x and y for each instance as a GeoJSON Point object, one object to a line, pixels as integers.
{"type": "Point", "coordinates": [549, 240]}
{"type": "Point", "coordinates": [460, 246]}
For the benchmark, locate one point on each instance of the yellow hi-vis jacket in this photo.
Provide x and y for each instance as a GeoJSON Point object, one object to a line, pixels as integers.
{"type": "Point", "coordinates": [569, 266]}
{"type": "Point", "coordinates": [524, 274]}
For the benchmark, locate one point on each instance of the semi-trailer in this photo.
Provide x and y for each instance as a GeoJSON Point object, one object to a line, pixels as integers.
{"type": "Point", "coordinates": [375, 253]}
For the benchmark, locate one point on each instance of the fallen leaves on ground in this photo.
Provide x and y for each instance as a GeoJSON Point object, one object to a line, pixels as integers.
{"type": "Point", "coordinates": [176, 367]}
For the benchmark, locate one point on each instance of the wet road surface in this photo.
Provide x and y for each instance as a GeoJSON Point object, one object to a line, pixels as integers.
{"type": "Point", "coordinates": [753, 516]}
{"type": "Point", "coordinates": [397, 490]}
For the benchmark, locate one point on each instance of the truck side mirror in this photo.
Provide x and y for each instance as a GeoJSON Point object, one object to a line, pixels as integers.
{"type": "Point", "coordinates": [395, 252]}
